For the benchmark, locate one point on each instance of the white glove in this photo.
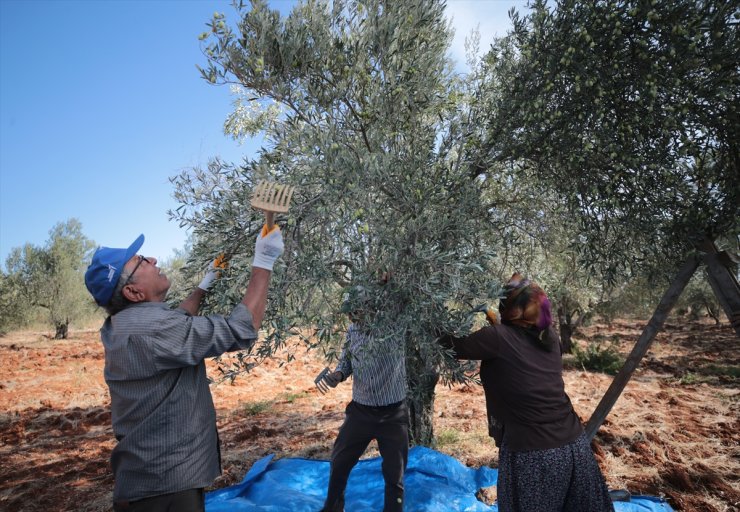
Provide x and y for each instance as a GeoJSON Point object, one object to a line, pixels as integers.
{"type": "Point", "coordinates": [268, 248]}
{"type": "Point", "coordinates": [214, 271]}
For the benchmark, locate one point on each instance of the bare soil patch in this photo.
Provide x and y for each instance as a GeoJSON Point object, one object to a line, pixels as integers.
{"type": "Point", "coordinates": [674, 431]}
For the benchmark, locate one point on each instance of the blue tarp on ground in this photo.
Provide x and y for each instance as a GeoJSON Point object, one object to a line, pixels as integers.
{"type": "Point", "coordinates": [434, 482]}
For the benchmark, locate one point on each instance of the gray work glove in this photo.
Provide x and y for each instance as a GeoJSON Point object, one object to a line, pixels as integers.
{"type": "Point", "coordinates": [326, 380]}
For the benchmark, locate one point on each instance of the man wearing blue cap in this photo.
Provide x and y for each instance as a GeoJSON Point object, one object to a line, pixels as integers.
{"type": "Point", "coordinates": [161, 406]}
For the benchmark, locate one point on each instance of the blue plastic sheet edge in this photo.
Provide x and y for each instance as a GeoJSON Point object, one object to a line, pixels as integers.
{"type": "Point", "coordinates": [434, 482]}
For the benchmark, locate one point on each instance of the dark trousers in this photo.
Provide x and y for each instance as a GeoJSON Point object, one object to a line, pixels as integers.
{"type": "Point", "coordinates": [191, 500]}
{"type": "Point", "coordinates": [362, 423]}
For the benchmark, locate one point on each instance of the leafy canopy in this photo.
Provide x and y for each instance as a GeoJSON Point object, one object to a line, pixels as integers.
{"type": "Point", "coordinates": [362, 113]}
{"type": "Point", "coordinates": [629, 109]}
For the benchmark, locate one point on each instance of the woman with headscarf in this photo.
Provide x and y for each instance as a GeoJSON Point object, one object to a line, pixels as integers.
{"type": "Point", "coordinates": [545, 460]}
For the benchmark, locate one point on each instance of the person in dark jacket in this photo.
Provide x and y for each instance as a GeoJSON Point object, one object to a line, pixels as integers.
{"type": "Point", "coordinates": [545, 459]}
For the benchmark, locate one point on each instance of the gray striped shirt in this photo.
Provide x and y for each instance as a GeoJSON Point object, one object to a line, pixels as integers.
{"type": "Point", "coordinates": [378, 368]}
{"type": "Point", "coordinates": [161, 406]}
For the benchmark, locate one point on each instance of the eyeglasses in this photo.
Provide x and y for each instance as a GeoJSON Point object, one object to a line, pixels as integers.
{"type": "Point", "coordinates": [141, 259]}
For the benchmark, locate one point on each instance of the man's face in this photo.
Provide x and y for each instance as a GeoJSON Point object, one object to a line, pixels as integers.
{"type": "Point", "coordinates": [146, 281]}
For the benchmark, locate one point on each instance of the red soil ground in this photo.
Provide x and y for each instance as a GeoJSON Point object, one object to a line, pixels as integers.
{"type": "Point", "coordinates": [675, 431]}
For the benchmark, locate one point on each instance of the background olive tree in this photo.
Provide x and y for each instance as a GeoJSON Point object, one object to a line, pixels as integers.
{"type": "Point", "coordinates": [540, 237]}
{"type": "Point", "coordinates": [629, 110]}
{"type": "Point", "coordinates": [49, 279]}
{"type": "Point", "coordinates": [361, 112]}
{"type": "Point", "coordinates": [13, 314]}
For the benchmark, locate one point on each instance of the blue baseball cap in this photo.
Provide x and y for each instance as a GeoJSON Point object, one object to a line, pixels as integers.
{"type": "Point", "coordinates": [105, 269]}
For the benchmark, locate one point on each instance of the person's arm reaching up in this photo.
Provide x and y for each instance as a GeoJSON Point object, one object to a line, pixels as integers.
{"type": "Point", "coordinates": [268, 248]}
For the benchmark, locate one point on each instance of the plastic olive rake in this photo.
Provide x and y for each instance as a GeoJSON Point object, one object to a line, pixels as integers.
{"type": "Point", "coordinates": [272, 198]}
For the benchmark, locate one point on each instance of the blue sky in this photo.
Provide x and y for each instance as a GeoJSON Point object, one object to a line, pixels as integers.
{"type": "Point", "coordinates": [101, 103]}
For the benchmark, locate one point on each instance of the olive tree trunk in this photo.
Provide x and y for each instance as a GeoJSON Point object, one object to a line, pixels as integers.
{"type": "Point", "coordinates": [62, 330]}
{"type": "Point", "coordinates": [422, 377]}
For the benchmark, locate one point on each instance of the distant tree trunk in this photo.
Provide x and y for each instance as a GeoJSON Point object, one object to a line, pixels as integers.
{"type": "Point", "coordinates": [566, 332]}
{"type": "Point", "coordinates": [567, 326]}
{"type": "Point", "coordinates": [713, 311]}
{"type": "Point", "coordinates": [62, 330]}
{"type": "Point", "coordinates": [422, 379]}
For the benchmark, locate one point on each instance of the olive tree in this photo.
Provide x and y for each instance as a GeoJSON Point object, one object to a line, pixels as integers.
{"type": "Point", "coordinates": [629, 110]}
{"type": "Point", "coordinates": [538, 236]}
{"type": "Point", "coordinates": [13, 311]}
{"type": "Point", "coordinates": [52, 277]}
{"type": "Point", "coordinates": [361, 113]}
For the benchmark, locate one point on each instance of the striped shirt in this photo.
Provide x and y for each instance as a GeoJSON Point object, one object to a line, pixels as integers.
{"type": "Point", "coordinates": [161, 406]}
{"type": "Point", "coordinates": [378, 368]}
